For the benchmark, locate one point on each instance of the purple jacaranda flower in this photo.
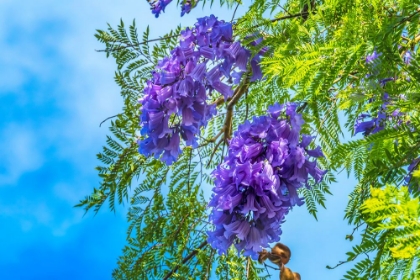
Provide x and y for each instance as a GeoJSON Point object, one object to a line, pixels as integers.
{"type": "Point", "coordinates": [158, 6]}
{"type": "Point", "coordinates": [365, 127]}
{"type": "Point", "coordinates": [186, 7]}
{"type": "Point", "coordinates": [317, 152]}
{"type": "Point", "coordinates": [413, 165]}
{"type": "Point", "coordinates": [254, 239]}
{"type": "Point", "coordinates": [257, 183]}
{"type": "Point", "coordinates": [243, 229]}
{"type": "Point", "coordinates": [275, 110]}
{"type": "Point", "coordinates": [256, 59]}
{"type": "Point", "coordinates": [395, 113]}
{"type": "Point", "coordinates": [372, 57]}
{"type": "Point", "coordinates": [221, 217]}
{"type": "Point", "coordinates": [223, 88]}
{"type": "Point", "coordinates": [383, 82]}
{"type": "Point", "coordinates": [242, 59]}
{"type": "Point", "coordinates": [407, 57]}
{"type": "Point", "coordinates": [207, 52]}
{"type": "Point", "coordinates": [314, 170]}
{"type": "Point", "coordinates": [199, 72]}
{"type": "Point", "coordinates": [256, 69]}
{"type": "Point", "coordinates": [250, 204]}
{"type": "Point", "coordinates": [236, 77]}
{"type": "Point", "coordinates": [277, 152]}
{"type": "Point", "coordinates": [306, 140]}
{"type": "Point", "coordinates": [217, 240]}
{"type": "Point", "coordinates": [268, 205]}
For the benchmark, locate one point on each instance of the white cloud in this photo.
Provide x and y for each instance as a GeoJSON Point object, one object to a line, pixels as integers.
{"type": "Point", "coordinates": [28, 212]}
{"type": "Point", "coordinates": [21, 152]}
{"type": "Point", "coordinates": [33, 214]}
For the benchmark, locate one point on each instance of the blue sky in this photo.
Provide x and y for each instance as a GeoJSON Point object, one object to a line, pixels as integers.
{"type": "Point", "coordinates": [54, 91]}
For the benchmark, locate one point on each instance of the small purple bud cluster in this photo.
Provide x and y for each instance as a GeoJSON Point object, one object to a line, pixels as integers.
{"type": "Point", "coordinates": [413, 165]}
{"type": "Point", "coordinates": [256, 185]}
{"type": "Point", "coordinates": [407, 57]}
{"type": "Point", "coordinates": [378, 123]}
{"type": "Point", "coordinates": [372, 58]}
{"type": "Point", "coordinates": [158, 6]}
{"type": "Point", "coordinates": [368, 124]}
{"type": "Point", "coordinates": [174, 104]}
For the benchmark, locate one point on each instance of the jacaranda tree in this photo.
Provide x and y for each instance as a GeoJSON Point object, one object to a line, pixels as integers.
{"type": "Point", "coordinates": [255, 108]}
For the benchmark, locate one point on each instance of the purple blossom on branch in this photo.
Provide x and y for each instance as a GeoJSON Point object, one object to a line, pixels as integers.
{"type": "Point", "coordinates": [158, 6]}
{"type": "Point", "coordinates": [408, 57]}
{"type": "Point", "coordinates": [413, 165]}
{"type": "Point", "coordinates": [174, 105]}
{"type": "Point", "coordinates": [371, 124]}
{"type": "Point", "coordinates": [186, 7]}
{"type": "Point", "coordinates": [371, 59]}
{"type": "Point", "coordinates": [255, 187]}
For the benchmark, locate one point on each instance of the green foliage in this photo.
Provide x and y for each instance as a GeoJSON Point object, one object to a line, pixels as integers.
{"type": "Point", "coordinates": [391, 238]}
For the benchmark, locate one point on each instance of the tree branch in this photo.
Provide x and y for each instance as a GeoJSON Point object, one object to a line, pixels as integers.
{"type": "Point", "coordinates": [229, 109]}
{"type": "Point", "coordinates": [214, 151]}
{"type": "Point", "coordinates": [211, 140]}
{"type": "Point", "coordinates": [186, 259]}
{"type": "Point", "coordinates": [303, 14]}
{"type": "Point", "coordinates": [209, 264]}
{"type": "Point", "coordinates": [219, 101]}
{"type": "Point", "coordinates": [108, 119]}
{"type": "Point", "coordinates": [234, 12]}
{"type": "Point", "coordinates": [248, 263]}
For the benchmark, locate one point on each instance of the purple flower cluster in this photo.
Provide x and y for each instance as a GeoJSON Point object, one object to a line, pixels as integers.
{"type": "Point", "coordinates": [174, 104]}
{"type": "Point", "coordinates": [256, 185]}
{"type": "Point", "coordinates": [375, 124]}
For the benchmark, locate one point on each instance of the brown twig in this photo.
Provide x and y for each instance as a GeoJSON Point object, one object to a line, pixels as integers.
{"type": "Point", "coordinates": [247, 106]}
{"type": "Point", "coordinates": [108, 119]}
{"type": "Point", "coordinates": [229, 109]}
{"type": "Point", "coordinates": [234, 12]}
{"type": "Point", "coordinates": [349, 260]}
{"type": "Point", "coordinates": [228, 124]}
{"type": "Point", "coordinates": [350, 236]}
{"type": "Point", "coordinates": [284, 9]}
{"type": "Point", "coordinates": [214, 151]}
{"type": "Point", "coordinates": [189, 172]}
{"type": "Point", "coordinates": [281, 18]}
{"type": "Point", "coordinates": [211, 140]}
{"type": "Point", "coordinates": [186, 259]}
{"type": "Point", "coordinates": [219, 101]}
{"type": "Point", "coordinates": [209, 263]}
